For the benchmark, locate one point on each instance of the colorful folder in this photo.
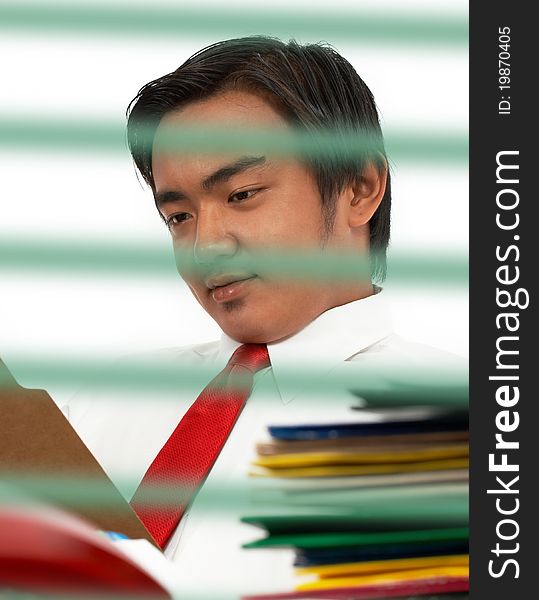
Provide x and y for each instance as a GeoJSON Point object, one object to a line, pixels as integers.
{"type": "Point", "coordinates": [375, 509]}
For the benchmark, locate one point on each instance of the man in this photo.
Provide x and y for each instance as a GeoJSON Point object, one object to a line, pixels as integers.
{"type": "Point", "coordinates": [221, 209]}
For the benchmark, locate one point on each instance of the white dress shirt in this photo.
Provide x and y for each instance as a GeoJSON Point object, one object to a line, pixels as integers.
{"type": "Point", "coordinates": [125, 431]}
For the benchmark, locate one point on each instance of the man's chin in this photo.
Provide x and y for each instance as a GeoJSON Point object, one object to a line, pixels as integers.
{"type": "Point", "coordinates": [242, 327]}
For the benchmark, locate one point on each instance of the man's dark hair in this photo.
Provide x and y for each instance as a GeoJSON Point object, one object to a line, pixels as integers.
{"type": "Point", "coordinates": [312, 86]}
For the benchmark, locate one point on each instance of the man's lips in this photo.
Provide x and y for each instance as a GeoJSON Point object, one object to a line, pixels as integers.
{"type": "Point", "coordinates": [225, 279]}
{"type": "Point", "coordinates": [228, 287]}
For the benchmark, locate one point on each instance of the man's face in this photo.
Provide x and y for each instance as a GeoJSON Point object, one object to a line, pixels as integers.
{"type": "Point", "coordinates": [230, 206]}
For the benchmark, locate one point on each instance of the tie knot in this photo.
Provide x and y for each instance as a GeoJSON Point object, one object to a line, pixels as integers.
{"type": "Point", "coordinates": [251, 356]}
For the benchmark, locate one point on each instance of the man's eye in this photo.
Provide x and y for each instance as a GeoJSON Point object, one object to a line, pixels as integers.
{"type": "Point", "coordinates": [177, 219]}
{"type": "Point", "coordinates": [243, 195]}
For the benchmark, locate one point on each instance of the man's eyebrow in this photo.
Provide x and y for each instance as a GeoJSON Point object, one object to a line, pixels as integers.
{"type": "Point", "coordinates": [228, 171]}
{"type": "Point", "coordinates": [221, 175]}
{"type": "Point", "coordinates": [167, 197]}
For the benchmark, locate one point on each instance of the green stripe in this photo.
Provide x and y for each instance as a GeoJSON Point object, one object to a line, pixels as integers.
{"type": "Point", "coordinates": [87, 136]}
{"type": "Point", "coordinates": [143, 378]}
{"type": "Point", "coordinates": [365, 27]}
{"type": "Point", "coordinates": [145, 260]}
{"type": "Point", "coordinates": [223, 496]}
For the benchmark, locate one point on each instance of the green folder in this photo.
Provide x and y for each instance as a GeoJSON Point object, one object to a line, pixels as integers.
{"type": "Point", "coordinates": [393, 393]}
{"type": "Point", "coordinates": [453, 514]}
{"type": "Point", "coordinates": [407, 507]}
{"type": "Point", "coordinates": [331, 540]}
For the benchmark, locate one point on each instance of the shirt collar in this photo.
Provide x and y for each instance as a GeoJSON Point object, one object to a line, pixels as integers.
{"type": "Point", "coordinates": [333, 337]}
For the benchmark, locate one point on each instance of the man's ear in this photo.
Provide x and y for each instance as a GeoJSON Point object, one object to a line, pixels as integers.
{"type": "Point", "coordinates": [367, 193]}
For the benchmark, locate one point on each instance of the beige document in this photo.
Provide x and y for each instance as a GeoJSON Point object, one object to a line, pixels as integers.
{"type": "Point", "coordinates": [37, 440]}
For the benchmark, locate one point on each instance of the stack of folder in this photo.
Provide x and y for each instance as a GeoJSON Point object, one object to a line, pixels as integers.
{"type": "Point", "coordinates": [372, 509]}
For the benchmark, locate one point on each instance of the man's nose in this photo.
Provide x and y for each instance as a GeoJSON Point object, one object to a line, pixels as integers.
{"type": "Point", "coordinates": [213, 240]}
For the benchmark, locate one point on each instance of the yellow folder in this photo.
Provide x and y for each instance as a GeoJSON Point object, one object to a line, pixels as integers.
{"type": "Point", "coordinates": [319, 459]}
{"type": "Point", "coordinates": [381, 578]}
{"type": "Point", "coordinates": [349, 470]}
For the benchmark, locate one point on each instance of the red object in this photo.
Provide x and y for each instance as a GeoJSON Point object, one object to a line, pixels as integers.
{"type": "Point", "coordinates": [187, 457]}
{"type": "Point", "coordinates": [47, 551]}
{"type": "Point", "coordinates": [397, 589]}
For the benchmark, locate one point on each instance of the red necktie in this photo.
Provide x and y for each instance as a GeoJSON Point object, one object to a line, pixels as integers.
{"type": "Point", "coordinates": [187, 457]}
